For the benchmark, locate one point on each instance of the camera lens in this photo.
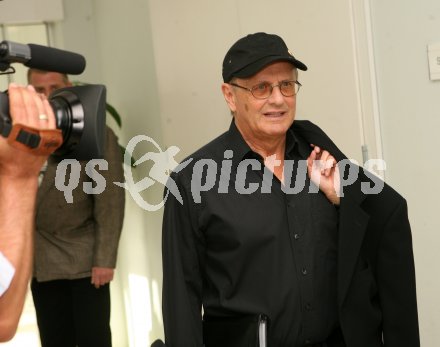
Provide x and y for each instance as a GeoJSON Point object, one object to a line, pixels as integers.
{"type": "Point", "coordinates": [69, 115]}
{"type": "Point", "coordinates": [80, 114]}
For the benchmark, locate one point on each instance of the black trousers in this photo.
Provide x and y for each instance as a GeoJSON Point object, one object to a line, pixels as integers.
{"type": "Point", "coordinates": [72, 313]}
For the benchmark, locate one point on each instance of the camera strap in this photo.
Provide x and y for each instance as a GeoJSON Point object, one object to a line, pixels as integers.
{"type": "Point", "coordinates": [36, 141]}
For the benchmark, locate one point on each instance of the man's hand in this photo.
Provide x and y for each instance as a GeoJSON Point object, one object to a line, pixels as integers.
{"type": "Point", "coordinates": [102, 275]}
{"type": "Point", "coordinates": [31, 109]}
{"type": "Point", "coordinates": [19, 171]}
{"type": "Point", "coordinates": [324, 172]}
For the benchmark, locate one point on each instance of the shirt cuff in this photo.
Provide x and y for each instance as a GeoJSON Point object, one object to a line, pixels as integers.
{"type": "Point", "coordinates": [7, 272]}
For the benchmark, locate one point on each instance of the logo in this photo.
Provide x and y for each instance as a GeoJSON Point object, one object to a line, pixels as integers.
{"type": "Point", "coordinates": [208, 174]}
{"type": "Point", "coordinates": [163, 164]}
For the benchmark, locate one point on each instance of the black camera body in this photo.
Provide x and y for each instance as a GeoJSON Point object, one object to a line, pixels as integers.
{"type": "Point", "coordinates": [80, 111]}
{"type": "Point", "coordinates": [80, 115]}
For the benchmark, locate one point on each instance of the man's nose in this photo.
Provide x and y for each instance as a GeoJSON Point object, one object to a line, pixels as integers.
{"type": "Point", "coordinates": [276, 96]}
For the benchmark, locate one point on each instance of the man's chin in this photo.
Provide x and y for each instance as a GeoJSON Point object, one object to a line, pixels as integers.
{"type": "Point", "coordinates": [277, 128]}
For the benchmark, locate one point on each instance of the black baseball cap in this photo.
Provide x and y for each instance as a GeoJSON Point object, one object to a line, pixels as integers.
{"type": "Point", "coordinates": [253, 52]}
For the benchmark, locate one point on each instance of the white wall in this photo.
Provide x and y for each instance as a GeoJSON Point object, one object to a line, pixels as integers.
{"type": "Point", "coordinates": [191, 38]}
{"type": "Point", "coordinates": [410, 118]}
{"type": "Point", "coordinates": [26, 11]}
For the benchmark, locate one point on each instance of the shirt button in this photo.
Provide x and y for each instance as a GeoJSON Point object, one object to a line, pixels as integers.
{"type": "Point", "coordinates": [304, 271]}
{"type": "Point", "coordinates": [308, 306]}
{"type": "Point", "coordinates": [307, 342]}
{"type": "Point", "coordinates": [296, 236]}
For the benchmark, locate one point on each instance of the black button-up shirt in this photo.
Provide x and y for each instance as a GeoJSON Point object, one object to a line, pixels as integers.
{"type": "Point", "coordinates": [239, 247]}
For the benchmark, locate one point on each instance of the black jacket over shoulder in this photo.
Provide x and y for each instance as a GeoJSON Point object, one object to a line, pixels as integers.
{"type": "Point", "coordinates": [376, 277]}
{"type": "Point", "coordinates": [376, 294]}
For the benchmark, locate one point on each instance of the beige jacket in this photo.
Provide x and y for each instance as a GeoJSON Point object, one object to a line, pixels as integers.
{"type": "Point", "coordinates": [71, 238]}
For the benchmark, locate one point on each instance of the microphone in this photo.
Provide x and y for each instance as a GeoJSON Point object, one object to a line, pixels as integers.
{"type": "Point", "coordinates": [158, 343]}
{"type": "Point", "coordinates": [42, 57]}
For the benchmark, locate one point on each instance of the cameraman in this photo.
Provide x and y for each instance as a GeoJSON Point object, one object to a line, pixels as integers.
{"type": "Point", "coordinates": [19, 171]}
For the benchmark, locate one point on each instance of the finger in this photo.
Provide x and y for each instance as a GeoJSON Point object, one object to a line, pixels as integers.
{"type": "Point", "coordinates": [47, 110]}
{"type": "Point", "coordinates": [95, 278]}
{"type": "Point", "coordinates": [108, 278]}
{"type": "Point", "coordinates": [323, 157]}
{"type": "Point", "coordinates": [32, 112]}
{"type": "Point", "coordinates": [330, 165]}
{"type": "Point", "coordinates": [317, 149]}
{"type": "Point", "coordinates": [328, 162]}
{"type": "Point", "coordinates": [43, 118]}
{"type": "Point", "coordinates": [96, 281]}
{"type": "Point", "coordinates": [312, 157]}
{"type": "Point", "coordinates": [17, 107]}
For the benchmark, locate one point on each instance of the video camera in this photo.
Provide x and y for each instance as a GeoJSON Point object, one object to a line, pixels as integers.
{"type": "Point", "coordinates": [80, 111]}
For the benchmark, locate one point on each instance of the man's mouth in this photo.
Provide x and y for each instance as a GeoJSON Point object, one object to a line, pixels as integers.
{"type": "Point", "coordinates": [277, 114]}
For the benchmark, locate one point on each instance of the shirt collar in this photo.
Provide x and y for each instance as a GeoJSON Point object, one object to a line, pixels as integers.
{"type": "Point", "coordinates": [241, 149]}
{"type": "Point", "coordinates": [296, 146]}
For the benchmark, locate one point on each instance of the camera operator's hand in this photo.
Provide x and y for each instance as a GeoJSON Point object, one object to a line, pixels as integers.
{"type": "Point", "coordinates": [30, 109]}
{"type": "Point", "coordinates": [19, 169]}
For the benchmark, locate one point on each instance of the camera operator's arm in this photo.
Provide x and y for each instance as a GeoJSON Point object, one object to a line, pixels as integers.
{"type": "Point", "coordinates": [19, 170]}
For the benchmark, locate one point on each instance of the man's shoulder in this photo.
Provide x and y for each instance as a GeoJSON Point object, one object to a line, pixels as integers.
{"type": "Point", "coordinates": [110, 131]}
{"type": "Point", "coordinates": [311, 132]}
{"type": "Point", "coordinates": [304, 125]}
{"type": "Point", "coordinates": [212, 152]}
{"type": "Point", "coordinates": [110, 135]}
{"type": "Point", "coordinates": [387, 197]}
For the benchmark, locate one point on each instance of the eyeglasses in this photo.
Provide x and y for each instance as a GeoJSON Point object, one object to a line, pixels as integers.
{"type": "Point", "coordinates": [264, 89]}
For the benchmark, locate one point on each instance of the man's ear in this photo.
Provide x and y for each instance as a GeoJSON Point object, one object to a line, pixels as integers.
{"type": "Point", "coordinates": [229, 96]}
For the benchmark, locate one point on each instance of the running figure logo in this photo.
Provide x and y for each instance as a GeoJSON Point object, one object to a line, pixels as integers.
{"type": "Point", "coordinates": [163, 164]}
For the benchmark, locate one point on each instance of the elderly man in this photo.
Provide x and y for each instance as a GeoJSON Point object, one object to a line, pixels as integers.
{"type": "Point", "coordinates": [269, 245]}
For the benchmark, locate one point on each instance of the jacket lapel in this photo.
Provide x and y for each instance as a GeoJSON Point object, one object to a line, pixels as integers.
{"type": "Point", "coordinates": [353, 223]}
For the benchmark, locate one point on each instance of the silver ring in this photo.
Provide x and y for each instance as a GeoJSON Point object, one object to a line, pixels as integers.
{"type": "Point", "coordinates": [43, 117]}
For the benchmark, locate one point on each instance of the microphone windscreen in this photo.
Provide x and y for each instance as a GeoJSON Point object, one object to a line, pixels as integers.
{"type": "Point", "coordinates": [54, 59]}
